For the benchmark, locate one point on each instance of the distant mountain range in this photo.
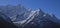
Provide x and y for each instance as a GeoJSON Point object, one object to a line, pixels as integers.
{"type": "Point", "coordinates": [28, 18]}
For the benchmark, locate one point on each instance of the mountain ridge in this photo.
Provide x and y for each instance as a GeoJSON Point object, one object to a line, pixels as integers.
{"type": "Point", "coordinates": [22, 17]}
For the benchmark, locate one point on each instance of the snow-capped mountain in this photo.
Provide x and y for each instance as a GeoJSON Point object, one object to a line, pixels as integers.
{"type": "Point", "coordinates": [37, 17]}
{"type": "Point", "coordinates": [28, 18]}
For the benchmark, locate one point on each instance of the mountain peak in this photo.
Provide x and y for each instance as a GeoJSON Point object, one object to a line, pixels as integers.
{"type": "Point", "coordinates": [39, 9]}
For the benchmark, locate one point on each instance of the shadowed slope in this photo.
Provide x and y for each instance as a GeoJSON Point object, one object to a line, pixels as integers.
{"type": "Point", "coordinates": [4, 23]}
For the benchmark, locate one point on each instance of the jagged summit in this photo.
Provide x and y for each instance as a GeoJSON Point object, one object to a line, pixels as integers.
{"type": "Point", "coordinates": [39, 10]}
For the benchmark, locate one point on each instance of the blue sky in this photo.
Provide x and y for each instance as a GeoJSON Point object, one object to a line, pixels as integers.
{"type": "Point", "coordinates": [48, 6]}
